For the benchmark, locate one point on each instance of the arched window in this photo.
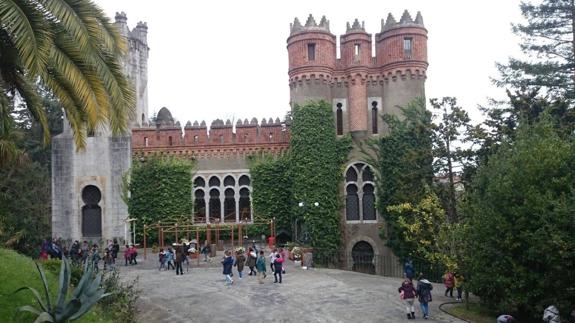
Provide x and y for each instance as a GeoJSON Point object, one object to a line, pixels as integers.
{"type": "Point", "coordinates": [196, 139]}
{"type": "Point", "coordinates": [199, 182]}
{"type": "Point", "coordinates": [368, 202]}
{"type": "Point", "coordinates": [229, 181]}
{"type": "Point", "coordinates": [170, 143]}
{"type": "Point", "coordinates": [229, 205]}
{"type": "Point", "coordinates": [215, 206]}
{"type": "Point", "coordinates": [91, 212]}
{"type": "Point", "coordinates": [244, 180]}
{"type": "Point", "coordinates": [362, 255]}
{"type": "Point", "coordinates": [351, 203]}
{"type": "Point", "coordinates": [245, 205]}
{"type": "Point", "coordinates": [214, 181]}
{"type": "Point", "coordinates": [199, 206]}
{"type": "Point", "coordinates": [374, 117]}
{"type": "Point", "coordinates": [339, 118]}
{"type": "Point", "coordinates": [360, 203]}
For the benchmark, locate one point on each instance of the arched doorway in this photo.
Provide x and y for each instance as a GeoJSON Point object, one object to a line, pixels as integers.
{"type": "Point", "coordinates": [362, 255]}
{"type": "Point", "coordinates": [91, 212]}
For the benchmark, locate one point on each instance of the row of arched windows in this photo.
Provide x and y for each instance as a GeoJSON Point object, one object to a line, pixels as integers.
{"type": "Point", "coordinates": [221, 203]}
{"type": "Point", "coordinates": [360, 193]}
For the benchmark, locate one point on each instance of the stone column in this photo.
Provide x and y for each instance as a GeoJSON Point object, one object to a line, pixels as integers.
{"type": "Point", "coordinates": [207, 202]}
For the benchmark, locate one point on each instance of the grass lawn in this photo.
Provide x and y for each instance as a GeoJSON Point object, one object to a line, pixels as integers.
{"type": "Point", "coordinates": [18, 271]}
{"type": "Point", "coordinates": [476, 313]}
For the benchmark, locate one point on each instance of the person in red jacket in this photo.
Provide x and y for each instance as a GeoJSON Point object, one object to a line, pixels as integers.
{"type": "Point", "coordinates": [278, 263]}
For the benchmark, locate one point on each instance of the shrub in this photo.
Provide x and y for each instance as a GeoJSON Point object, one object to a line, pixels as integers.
{"type": "Point", "coordinates": [121, 304]}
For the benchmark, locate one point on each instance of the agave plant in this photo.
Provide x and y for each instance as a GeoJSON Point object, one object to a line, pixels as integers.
{"type": "Point", "coordinates": [85, 295]}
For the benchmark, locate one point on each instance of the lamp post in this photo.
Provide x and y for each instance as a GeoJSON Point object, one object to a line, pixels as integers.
{"type": "Point", "coordinates": [300, 226]}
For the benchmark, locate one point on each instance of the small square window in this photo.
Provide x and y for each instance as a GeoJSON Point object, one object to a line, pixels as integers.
{"type": "Point", "coordinates": [311, 52]}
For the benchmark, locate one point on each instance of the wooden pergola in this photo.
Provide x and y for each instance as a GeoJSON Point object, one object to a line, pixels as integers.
{"type": "Point", "coordinates": [194, 229]}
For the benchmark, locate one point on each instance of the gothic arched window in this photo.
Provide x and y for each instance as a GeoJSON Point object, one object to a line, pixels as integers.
{"type": "Point", "coordinates": [244, 180]}
{"type": "Point", "coordinates": [199, 182]}
{"type": "Point", "coordinates": [229, 181]}
{"type": "Point", "coordinates": [360, 191]}
{"type": "Point", "coordinates": [214, 181]}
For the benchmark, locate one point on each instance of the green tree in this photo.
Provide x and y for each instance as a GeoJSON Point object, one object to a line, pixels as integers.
{"type": "Point", "coordinates": [317, 158]}
{"type": "Point", "coordinates": [160, 190]}
{"type": "Point", "coordinates": [520, 248]}
{"type": "Point", "coordinates": [403, 160]}
{"type": "Point", "coordinates": [448, 136]}
{"type": "Point", "coordinates": [74, 51]}
{"type": "Point", "coordinates": [549, 40]}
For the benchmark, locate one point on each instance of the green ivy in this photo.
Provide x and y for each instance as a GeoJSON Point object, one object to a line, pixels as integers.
{"type": "Point", "coordinates": [316, 162]}
{"type": "Point", "coordinates": [272, 196]}
{"type": "Point", "coordinates": [311, 172]}
{"type": "Point", "coordinates": [160, 189]}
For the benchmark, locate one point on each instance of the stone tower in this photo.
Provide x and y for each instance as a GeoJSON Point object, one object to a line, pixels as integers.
{"type": "Point", "coordinates": [86, 185]}
{"type": "Point", "coordinates": [359, 85]}
{"type": "Point", "coordinates": [136, 64]}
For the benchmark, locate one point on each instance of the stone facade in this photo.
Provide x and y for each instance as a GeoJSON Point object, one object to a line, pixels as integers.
{"type": "Point", "coordinates": [86, 184]}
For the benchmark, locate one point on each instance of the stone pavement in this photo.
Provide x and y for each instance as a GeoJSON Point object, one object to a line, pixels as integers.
{"type": "Point", "coordinates": [316, 295]}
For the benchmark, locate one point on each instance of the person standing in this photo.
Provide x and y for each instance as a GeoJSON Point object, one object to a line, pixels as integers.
{"type": "Point", "coordinates": [251, 261]}
{"type": "Point", "coordinates": [227, 263]}
{"type": "Point", "coordinates": [115, 249]}
{"type": "Point", "coordinates": [261, 267]}
{"type": "Point", "coordinates": [170, 258]}
{"type": "Point", "coordinates": [407, 294]}
{"type": "Point", "coordinates": [85, 249]}
{"type": "Point", "coordinates": [179, 260]}
{"type": "Point", "coordinates": [127, 255]}
{"type": "Point", "coordinates": [408, 270]}
{"type": "Point", "coordinates": [272, 256]}
{"type": "Point", "coordinates": [448, 281]}
{"type": "Point", "coordinates": [239, 263]}
{"type": "Point", "coordinates": [459, 279]}
{"type": "Point", "coordinates": [423, 292]}
{"type": "Point", "coordinates": [162, 259]}
{"type": "Point", "coordinates": [278, 263]}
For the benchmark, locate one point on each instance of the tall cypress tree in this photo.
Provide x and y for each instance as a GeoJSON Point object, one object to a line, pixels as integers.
{"type": "Point", "coordinates": [549, 40]}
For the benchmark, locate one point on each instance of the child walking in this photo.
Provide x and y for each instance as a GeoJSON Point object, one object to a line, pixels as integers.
{"type": "Point", "coordinates": [162, 259]}
{"type": "Point", "coordinates": [227, 263]}
{"type": "Point", "coordinates": [261, 267]}
{"type": "Point", "coordinates": [240, 260]}
{"type": "Point", "coordinates": [407, 294]}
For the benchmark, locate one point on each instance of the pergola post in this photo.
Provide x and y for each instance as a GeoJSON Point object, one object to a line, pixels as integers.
{"type": "Point", "coordinates": [145, 239]}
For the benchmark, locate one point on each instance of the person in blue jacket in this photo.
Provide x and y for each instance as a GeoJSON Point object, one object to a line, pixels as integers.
{"type": "Point", "coordinates": [227, 263]}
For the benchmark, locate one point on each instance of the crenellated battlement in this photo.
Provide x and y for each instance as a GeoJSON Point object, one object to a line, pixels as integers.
{"type": "Point", "coordinates": [166, 134]}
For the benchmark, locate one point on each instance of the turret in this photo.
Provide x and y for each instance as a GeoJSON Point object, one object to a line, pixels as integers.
{"type": "Point", "coordinates": [402, 44]}
{"type": "Point", "coordinates": [355, 46]}
{"type": "Point", "coordinates": [312, 57]}
{"type": "Point", "coordinates": [121, 23]}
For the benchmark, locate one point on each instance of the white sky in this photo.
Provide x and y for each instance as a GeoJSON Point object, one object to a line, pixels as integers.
{"type": "Point", "coordinates": [228, 59]}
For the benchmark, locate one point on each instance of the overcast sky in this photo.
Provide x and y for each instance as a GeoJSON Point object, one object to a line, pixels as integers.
{"type": "Point", "coordinates": [228, 59]}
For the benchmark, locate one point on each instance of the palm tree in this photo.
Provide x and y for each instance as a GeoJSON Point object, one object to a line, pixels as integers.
{"type": "Point", "coordinates": [71, 48]}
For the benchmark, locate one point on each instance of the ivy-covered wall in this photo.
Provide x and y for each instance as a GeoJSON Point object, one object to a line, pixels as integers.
{"type": "Point", "coordinates": [316, 163]}
{"type": "Point", "coordinates": [160, 189]}
{"type": "Point", "coordinates": [272, 185]}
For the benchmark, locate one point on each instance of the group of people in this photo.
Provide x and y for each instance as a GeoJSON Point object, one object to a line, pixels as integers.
{"type": "Point", "coordinates": [255, 260]}
{"type": "Point", "coordinates": [408, 293]}
{"type": "Point", "coordinates": [80, 253]}
{"type": "Point", "coordinates": [174, 258]}
{"type": "Point", "coordinates": [453, 280]}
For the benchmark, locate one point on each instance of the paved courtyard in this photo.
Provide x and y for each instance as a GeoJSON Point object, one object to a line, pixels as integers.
{"type": "Point", "coordinates": [317, 295]}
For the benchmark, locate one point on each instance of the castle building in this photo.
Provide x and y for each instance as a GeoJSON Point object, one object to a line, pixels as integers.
{"type": "Point", "coordinates": [360, 85]}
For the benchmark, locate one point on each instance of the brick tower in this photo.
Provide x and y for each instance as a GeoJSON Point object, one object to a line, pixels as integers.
{"type": "Point", "coordinates": [359, 85]}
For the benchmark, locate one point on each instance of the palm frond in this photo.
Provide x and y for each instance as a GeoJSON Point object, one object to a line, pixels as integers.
{"type": "Point", "coordinates": [29, 93]}
{"type": "Point", "coordinates": [27, 27]}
